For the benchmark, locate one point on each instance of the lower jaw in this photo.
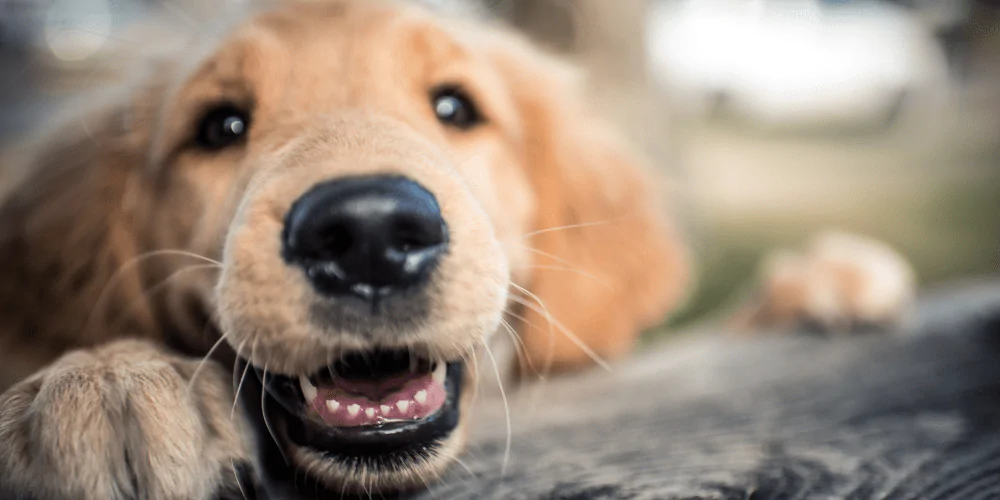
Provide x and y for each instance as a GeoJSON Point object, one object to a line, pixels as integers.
{"type": "Point", "coordinates": [333, 458]}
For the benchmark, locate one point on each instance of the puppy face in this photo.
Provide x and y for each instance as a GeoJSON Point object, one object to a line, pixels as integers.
{"type": "Point", "coordinates": [373, 180]}
{"type": "Point", "coordinates": [363, 258]}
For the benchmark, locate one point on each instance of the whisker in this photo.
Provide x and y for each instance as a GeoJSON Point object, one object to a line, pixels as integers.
{"type": "Point", "coordinates": [550, 354]}
{"type": "Point", "coordinates": [236, 395]}
{"type": "Point", "coordinates": [466, 467]}
{"type": "Point", "coordinates": [551, 256]}
{"type": "Point", "coordinates": [149, 292]}
{"type": "Point", "coordinates": [475, 367]}
{"type": "Point", "coordinates": [263, 412]}
{"type": "Point", "coordinates": [204, 359]}
{"type": "Point", "coordinates": [538, 389]}
{"type": "Point", "coordinates": [563, 228]}
{"type": "Point", "coordinates": [343, 490]}
{"type": "Point", "coordinates": [569, 334]}
{"type": "Point", "coordinates": [506, 410]}
{"type": "Point", "coordinates": [518, 343]}
{"type": "Point", "coordinates": [427, 485]}
{"type": "Point", "coordinates": [239, 351]}
{"type": "Point", "coordinates": [572, 270]}
{"type": "Point", "coordinates": [173, 252]}
{"type": "Point", "coordinates": [519, 347]}
{"type": "Point", "coordinates": [239, 387]}
{"type": "Point", "coordinates": [519, 317]}
{"type": "Point", "coordinates": [367, 489]}
{"type": "Point", "coordinates": [295, 476]}
{"type": "Point", "coordinates": [450, 473]}
{"type": "Point", "coordinates": [237, 476]}
{"type": "Point", "coordinates": [118, 275]}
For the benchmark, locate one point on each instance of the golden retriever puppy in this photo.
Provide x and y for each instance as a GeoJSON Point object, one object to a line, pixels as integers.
{"type": "Point", "coordinates": [350, 196]}
{"type": "Point", "coordinates": [336, 204]}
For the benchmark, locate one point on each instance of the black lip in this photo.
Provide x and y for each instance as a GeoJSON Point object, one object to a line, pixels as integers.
{"type": "Point", "coordinates": [275, 408]}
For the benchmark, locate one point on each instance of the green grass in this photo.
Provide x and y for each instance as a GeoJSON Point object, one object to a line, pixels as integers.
{"type": "Point", "coordinates": [948, 233]}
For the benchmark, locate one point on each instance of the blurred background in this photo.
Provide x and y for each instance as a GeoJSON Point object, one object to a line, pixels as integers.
{"type": "Point", "coordinates": [774, 118]}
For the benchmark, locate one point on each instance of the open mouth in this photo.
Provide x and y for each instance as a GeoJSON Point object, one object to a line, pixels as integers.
{"type": "Point", "coordinates": [372, 389]}
{"type": "Point", "coordinates": [388, 405]}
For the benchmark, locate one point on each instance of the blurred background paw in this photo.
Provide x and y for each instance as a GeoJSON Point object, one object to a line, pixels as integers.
{"type": "Point", "coordinates": [840, 282]}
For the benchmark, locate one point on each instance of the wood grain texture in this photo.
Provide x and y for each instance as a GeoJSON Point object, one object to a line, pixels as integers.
{"type": "Point", "coordinates": [913, 415]}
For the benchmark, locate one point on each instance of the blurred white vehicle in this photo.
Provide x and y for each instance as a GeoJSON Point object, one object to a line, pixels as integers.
{"type": "Point", "coordinates": [782, 62]}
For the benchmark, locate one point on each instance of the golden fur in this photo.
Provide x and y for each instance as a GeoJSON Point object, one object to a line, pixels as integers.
{"type": "Point", "coordinates": [544, 195]}
{"type": "Point", "coordinates": [110, 235]}
{"type": "Point", "coordinates": [838, 283]}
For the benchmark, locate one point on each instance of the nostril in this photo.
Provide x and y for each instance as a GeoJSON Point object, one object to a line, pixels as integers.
{"type": "Point", "coordinates": [335, 240]}
{"type": "Point", "coordinates": [410, 235]}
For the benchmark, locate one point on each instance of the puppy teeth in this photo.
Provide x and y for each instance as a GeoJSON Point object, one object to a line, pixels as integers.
{"type": "Point", "coordinates": [385, 410]}
{"type": "Point", "coordinates": [370, 412]}
{"type": "Point", "coordinates": [402, 404]}
{"type": "Point", "coordinates": [308, 390]}
{"type": "Point", "coordinates": [420, 397]}
{"type": "Point", "coordinates": [353, 410]}
{"type": "Point", "coordinates": [333, 405]}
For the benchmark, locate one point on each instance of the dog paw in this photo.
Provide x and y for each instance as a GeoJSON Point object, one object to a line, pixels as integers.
{"type": "Point", "coordinates": [839, 283]}
{"type": "Point", "coordinates": [124, 421]}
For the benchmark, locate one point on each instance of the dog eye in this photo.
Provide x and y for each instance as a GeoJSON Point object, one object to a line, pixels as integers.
{"type": "Point", "coordinates": [222, 127]}
{"type": "Point", "coordinates": [454, 108]}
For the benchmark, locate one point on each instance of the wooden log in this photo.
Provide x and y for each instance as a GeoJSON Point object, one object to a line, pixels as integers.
{"type": "Point", "coordinates": [891, 416]}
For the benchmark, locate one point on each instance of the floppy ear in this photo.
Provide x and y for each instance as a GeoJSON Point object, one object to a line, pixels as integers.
{"type": "Point", "coordinates": [596, 215]}
{"type": "Point", "coordinates": [64, 234]}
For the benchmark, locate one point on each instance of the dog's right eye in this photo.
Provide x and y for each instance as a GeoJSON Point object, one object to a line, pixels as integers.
{"type": "Point", "coordinates": [222, 127]}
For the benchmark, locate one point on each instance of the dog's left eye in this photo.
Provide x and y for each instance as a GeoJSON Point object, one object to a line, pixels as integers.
{"type": "Point", "coordinates": [222, 127]}
{"type": "Point", "coordinates": [454, 108]}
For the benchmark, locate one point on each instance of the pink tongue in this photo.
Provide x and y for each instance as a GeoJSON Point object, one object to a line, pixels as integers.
{"type": "Point", "coordinates": [355, 403]}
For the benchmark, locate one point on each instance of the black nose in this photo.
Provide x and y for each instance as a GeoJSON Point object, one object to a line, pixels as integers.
{"type": "Point", "coordinates": [365, 236]}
